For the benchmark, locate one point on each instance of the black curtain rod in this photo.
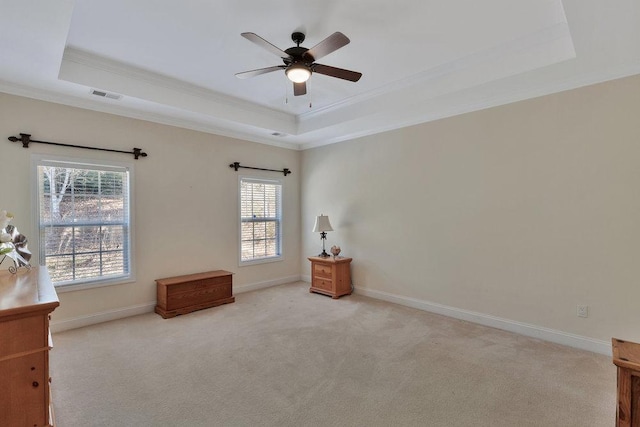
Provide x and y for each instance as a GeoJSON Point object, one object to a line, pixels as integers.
{"type": "Point", "coordinates": [25, 138]}
{"type": "Point", "coordinates": [236, 165]}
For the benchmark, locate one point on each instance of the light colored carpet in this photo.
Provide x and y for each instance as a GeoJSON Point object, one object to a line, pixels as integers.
{"type": "Point", "coordinates": [284, 357]}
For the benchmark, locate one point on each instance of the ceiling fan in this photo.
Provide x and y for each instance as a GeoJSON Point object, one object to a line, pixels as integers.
{"type": "Point", "coordinates": [299, 62]}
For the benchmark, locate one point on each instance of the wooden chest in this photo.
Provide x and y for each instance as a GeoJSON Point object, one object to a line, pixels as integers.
{"type": "Point", "coordinates": [184, 294]}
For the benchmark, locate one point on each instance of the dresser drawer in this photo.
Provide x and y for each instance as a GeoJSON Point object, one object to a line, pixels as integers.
{"type": "Point", "coordinates": [25, 390]}
{"type": "Point", "coordinates": [21, 335]}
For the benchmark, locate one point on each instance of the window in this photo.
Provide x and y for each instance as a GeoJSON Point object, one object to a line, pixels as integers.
{"type": "Point", "coordinates": [84, 221]}
{"type": "Point", "coordinates": [260, 220]}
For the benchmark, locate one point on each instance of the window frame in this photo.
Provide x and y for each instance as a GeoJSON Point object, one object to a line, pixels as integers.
{"type": "Point", "coordinates": [280, 219]}
{"type": "Point", "coordinates": [86, 163]}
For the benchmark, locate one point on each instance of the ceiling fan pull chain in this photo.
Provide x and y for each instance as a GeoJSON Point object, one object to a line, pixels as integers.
{"type": "Point", "coordinates": [286, 94]}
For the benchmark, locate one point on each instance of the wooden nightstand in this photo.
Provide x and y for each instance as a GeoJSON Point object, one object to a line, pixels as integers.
{"type": "Point", "coordinates": [330, 276]}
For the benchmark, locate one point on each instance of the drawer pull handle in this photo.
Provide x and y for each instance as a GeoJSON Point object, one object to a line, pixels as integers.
{"type": "Point", "coordinates": [35, 384]}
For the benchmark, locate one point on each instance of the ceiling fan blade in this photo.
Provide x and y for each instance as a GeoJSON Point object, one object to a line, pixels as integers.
{"type": "Point", "coordinates": [253, 73]}
{"type": "Point", "coordinates": [332, 43]}
{"type": "Point", "coordinates": [299, 89]}
{"type": "Point", "coordinates": [252, 37]}
{"type": "Point", "coordinates": [352, 76]}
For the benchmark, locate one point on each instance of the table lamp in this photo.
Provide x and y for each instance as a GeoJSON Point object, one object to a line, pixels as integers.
{"type": "Point", "coordinates": [322, 226]}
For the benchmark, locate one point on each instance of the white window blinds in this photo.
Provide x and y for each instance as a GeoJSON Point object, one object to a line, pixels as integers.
{"type": "Point", "coordinates": [260, 219]}
{"type": "Point", "coordinates": [84, 221]}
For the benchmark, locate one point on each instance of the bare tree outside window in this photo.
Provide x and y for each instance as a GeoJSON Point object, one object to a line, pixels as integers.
{"type": "Point", "coordinates": [84, 222]}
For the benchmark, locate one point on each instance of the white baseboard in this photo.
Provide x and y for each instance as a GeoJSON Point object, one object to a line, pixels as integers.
{"type": "Point", "coordinates": [266, 284]}
{"type": "Point", "coordinates": [106, 316]}
{"type": "Point", "coordinates": [534, 331]}
{"type": "Point", "coordinates": [552, 335]}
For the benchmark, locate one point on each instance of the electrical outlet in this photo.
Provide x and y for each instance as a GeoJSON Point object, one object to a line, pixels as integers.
{"type": "Point", "coordinates": [583, 311]}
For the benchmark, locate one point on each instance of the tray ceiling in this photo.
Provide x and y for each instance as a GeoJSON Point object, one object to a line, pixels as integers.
{"type": "Point", "coordinates": [175, 62]}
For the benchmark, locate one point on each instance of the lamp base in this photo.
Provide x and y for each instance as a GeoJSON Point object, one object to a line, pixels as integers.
{"type": "Point", "coordinates": [324, 254]}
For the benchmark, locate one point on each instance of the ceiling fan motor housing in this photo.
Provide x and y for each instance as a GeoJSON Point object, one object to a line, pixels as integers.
{"type": "Point", "coordinates": [297, 55]}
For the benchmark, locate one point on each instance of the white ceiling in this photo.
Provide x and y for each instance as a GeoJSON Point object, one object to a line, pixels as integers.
{"type": "Point", "coordinates": [174, 62]}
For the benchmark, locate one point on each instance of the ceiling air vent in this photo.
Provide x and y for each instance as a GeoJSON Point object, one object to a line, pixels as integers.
{"type": "Point", "coordinates": [104, 94]}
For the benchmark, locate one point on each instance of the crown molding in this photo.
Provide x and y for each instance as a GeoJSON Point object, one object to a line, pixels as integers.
{"type": "Point", "coordinates": [507, 97]}
{"type": "Point", "coordinates": [308, 121]}
{"type": "Point", "coordinates": [114, 67]}
{"type": "Point", "coordinates": [109, 107]}
{"type": "Point", "coordinates": [93, 71]}
{"type": "Point", "coordinates": [364, 123]}
{"type": "Point", "coordinates": [546, 36]}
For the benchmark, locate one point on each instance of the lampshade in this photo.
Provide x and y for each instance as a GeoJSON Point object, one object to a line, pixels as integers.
{"type": "Point", "coordinates": [322, 224]}
{"type": "Point", "coordinates": [298, 73]}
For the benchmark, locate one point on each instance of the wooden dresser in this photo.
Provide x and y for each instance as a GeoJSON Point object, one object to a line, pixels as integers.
{"type": "Point", "coordinates": [184, 294]}
{"type": "Point", "coordinates": [331, 276]}
{"type": "Point", "coordinates": [26, 300]}
{"type": "Point", "coordinates": [626, 356]}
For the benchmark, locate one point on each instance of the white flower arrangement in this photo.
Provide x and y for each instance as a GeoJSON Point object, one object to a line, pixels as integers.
{"type": "Point", "coordinates": [13, 244]}
{"type": "Point", "coordinates": [6, 241]}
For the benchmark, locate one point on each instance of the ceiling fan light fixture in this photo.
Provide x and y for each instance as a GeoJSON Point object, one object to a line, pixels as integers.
{"type": "Point", "coordinates": [298, 73]}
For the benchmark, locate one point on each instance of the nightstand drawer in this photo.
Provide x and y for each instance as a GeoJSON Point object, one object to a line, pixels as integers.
{"type": "Point", "coordinates": [321, 283]}
{"type": "Point", "coordinates": [322, 270]}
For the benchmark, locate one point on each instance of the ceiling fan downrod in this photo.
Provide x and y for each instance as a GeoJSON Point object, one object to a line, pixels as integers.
{"type": "Point", "coordinates": [297, 37]}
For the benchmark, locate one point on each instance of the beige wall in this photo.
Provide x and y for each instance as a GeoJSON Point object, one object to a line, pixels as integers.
{"type": "Point", "coordinates": [519, 212]}
{"type": "Point", "coordinates": [186, 201]}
